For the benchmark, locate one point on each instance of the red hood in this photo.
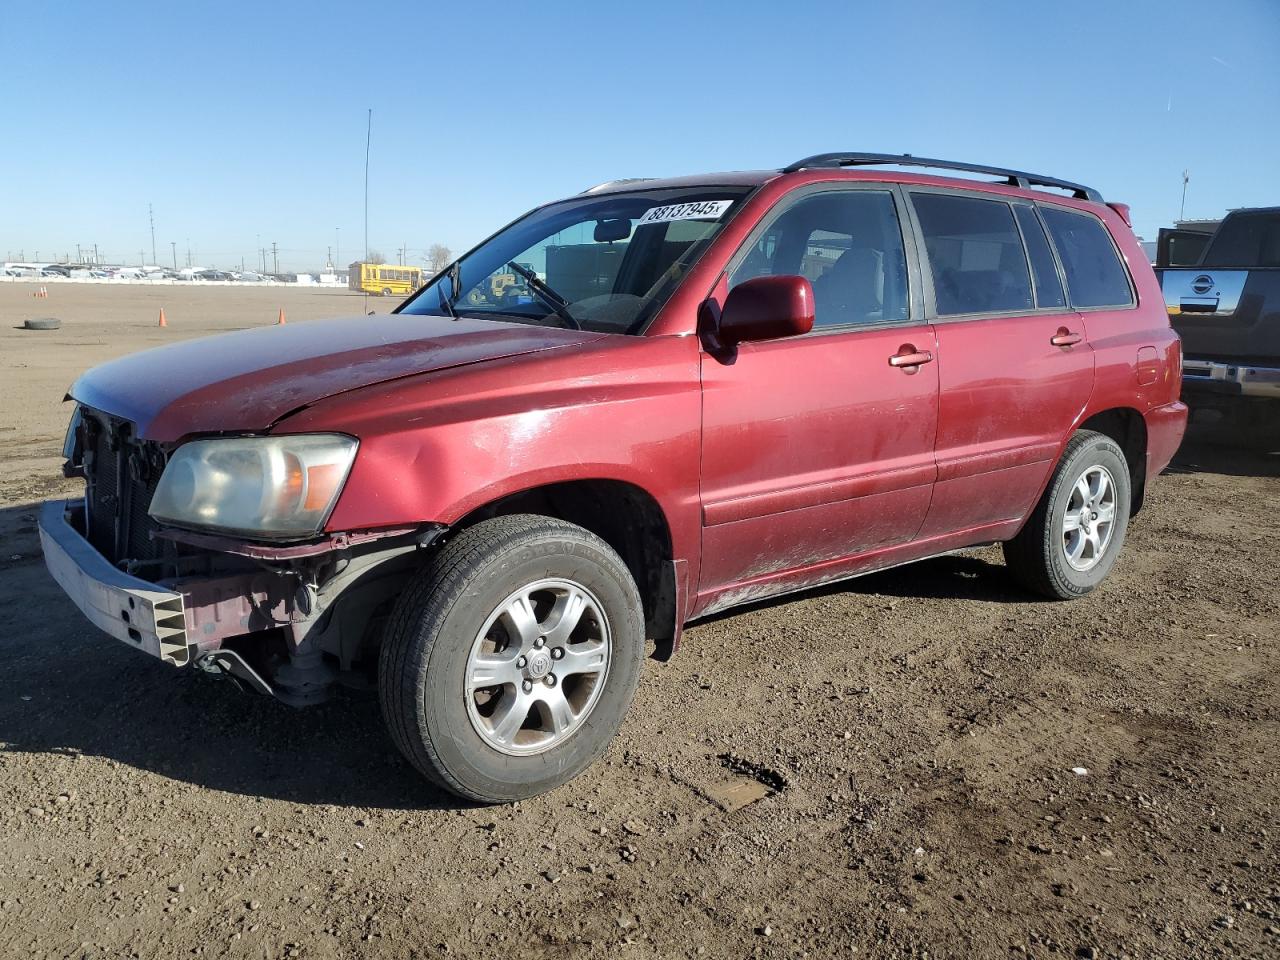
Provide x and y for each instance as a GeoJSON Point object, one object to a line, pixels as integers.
{"type": "Point", "coordinates": [246, 381]}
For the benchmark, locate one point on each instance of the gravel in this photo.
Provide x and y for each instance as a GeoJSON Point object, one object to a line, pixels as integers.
{"type": "Point", "coordinates": [152, 812]}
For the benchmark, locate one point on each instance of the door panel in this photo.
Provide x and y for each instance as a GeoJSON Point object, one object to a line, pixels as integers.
{"type": "Point", "coordinates": [1015, 366]}
{"type": "Point", "coordinates": [814, 448]}
{"type": "Point", "coordinates": [1008, 398]}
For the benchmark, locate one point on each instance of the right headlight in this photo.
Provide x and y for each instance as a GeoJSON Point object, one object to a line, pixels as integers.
{"type": "Point", "coordinates": [270, 487]}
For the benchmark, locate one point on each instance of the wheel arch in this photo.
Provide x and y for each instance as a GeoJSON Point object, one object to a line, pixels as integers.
{"type": "Point", "coordinates": [631, 521]}
{"type": "Point", "coordinates": [1127, 427]}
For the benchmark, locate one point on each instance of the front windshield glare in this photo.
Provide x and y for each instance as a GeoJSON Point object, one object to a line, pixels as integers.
{"type": "Point", "coordinates": [604, 263]}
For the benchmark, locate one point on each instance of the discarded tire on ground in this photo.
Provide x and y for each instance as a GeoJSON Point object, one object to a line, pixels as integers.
{"type": "Point", "coordinates": [43, 323]}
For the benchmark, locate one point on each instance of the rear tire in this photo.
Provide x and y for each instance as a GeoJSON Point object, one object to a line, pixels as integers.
{"type": "Point", "coordinates": [1074, 535]}
{"type": "Point", "coordinates": [510, 662]}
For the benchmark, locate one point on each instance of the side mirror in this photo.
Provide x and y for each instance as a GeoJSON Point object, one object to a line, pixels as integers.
{"type": "Point", "coordinates": [767, 308]}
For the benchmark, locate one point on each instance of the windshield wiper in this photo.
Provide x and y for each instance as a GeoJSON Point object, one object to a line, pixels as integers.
{"type": "Point", "coordinates": [446, 302]}
{"type": "Point", "coordinates": [552, 299]}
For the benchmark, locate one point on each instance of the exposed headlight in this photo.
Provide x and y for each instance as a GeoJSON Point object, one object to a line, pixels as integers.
{"type": "Point", "coordinates": [275, 487]}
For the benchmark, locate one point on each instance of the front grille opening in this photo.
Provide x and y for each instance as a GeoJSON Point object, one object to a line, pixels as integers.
{"type": "Point", "coordinates": [121, 473]}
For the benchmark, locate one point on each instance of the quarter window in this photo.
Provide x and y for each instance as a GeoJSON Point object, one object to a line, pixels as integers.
{"type": "Point", "coordinates": [1043, 270]}
{"type": "Point", "coordinates": [848, 244]}
{"type": "Point", "coordinates": [975, 254]}
{"type": "Point", "coordinates": [1095, 276]}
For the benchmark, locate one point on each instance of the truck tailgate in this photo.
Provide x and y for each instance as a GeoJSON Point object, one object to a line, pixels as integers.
{"type": "Point", "coordinates": [1224, 314]}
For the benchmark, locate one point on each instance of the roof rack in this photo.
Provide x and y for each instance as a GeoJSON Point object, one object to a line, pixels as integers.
{"type": "Point", "coordinates": [1014, 178]}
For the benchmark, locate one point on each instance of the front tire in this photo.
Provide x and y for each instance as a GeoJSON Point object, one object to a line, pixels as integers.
{"type": "Point", "coordinates": [1072, 539]}
{"type": "Point", "coordinates": [509, 664]}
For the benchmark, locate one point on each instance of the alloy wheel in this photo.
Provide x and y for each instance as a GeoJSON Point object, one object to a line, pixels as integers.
{"type": "Point", "coordinates": [1089, 519]}
{"type": "Point", "coordinates": [538, 666]}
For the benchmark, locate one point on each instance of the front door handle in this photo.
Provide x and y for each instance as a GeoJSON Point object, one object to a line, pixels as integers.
{"type": "Point", "coordinates": [1065, 338]}
{"type": "Point", "coordinates": [908, 356]}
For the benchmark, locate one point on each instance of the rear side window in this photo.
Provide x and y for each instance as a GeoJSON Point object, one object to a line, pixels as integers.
{"type": "Point", "coordinates": [1095, 275]}
{"type": "Point", "coordinates": [1043, 270]}
{"type": "Point", "coordinates": [975, 254]}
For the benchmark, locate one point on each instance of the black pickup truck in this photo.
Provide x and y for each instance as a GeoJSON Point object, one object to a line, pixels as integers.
{"type": "Point", "coordinates": [1226, 308]}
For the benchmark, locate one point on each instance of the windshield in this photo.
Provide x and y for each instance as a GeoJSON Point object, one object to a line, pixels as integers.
{"type": "Point", "coordinates": [605, 263]}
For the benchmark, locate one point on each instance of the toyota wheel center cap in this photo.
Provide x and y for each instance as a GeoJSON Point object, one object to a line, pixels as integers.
{"type": "Point", "coordinates": [539, 665]}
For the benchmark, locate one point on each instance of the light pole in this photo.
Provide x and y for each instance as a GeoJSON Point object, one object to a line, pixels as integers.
{"type": "Point", "coordinates": [173, 245]}
{"type": "Point", "coordinates": [337, 247]}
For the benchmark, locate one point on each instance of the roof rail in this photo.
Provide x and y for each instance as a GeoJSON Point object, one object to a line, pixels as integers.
{"type": "Point", "coordinates": [613, 183]}
{"type": "Point", "coordinates": [1014, 178]}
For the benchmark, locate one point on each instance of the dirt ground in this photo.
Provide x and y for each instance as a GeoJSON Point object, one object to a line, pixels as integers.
{"type": "Point", "coordinates": [878, 769]}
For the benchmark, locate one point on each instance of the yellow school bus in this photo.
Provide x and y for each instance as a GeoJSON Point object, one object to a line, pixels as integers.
{"type": "Point", "coordinates": [384, 279]}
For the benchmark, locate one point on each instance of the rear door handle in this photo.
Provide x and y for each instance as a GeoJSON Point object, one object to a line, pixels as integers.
{"type": "Point", "coordinates": [1065, 338]}
{"type": "Point", "coordinates": [909, 357]}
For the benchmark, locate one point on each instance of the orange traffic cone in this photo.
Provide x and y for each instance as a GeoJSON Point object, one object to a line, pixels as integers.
{"type": "Point", "coordinates": [280, 322]}
{"type": "Point", "coordinates": [163, 321]}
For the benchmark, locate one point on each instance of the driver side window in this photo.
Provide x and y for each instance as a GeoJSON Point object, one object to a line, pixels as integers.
{"type": "Point", "coordinates": [848, 244]}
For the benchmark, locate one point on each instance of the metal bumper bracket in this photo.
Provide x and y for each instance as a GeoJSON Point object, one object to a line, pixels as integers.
{"type": "Point", "coordinates": [138, 613]}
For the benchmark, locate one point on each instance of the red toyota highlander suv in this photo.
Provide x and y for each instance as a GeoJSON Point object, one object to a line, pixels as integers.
{"type": "Point", "coordinates": [624, 411]}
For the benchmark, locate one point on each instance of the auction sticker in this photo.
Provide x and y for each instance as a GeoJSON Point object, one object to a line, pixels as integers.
{"type": "Point", "coordinates": [699, 210]}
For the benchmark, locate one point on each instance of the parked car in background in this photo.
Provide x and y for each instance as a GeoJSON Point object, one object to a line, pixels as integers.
{"type": "Point", "coordinates": [713, 390]}
{"type": "Point", "coordinates": [1226, 308]}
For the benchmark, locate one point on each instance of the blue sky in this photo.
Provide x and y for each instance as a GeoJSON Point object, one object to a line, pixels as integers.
{"type": "Point", "coordinates": [243, 121]}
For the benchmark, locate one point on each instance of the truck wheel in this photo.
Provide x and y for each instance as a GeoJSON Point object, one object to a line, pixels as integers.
{"type": "Point", "coordinates": [508, 665]}
{"type": "Point", "coordinates": [1073, 537]}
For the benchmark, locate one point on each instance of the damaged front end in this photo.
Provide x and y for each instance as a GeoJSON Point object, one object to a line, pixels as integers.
{"type": "Point", "coordinates": [287, 620]}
